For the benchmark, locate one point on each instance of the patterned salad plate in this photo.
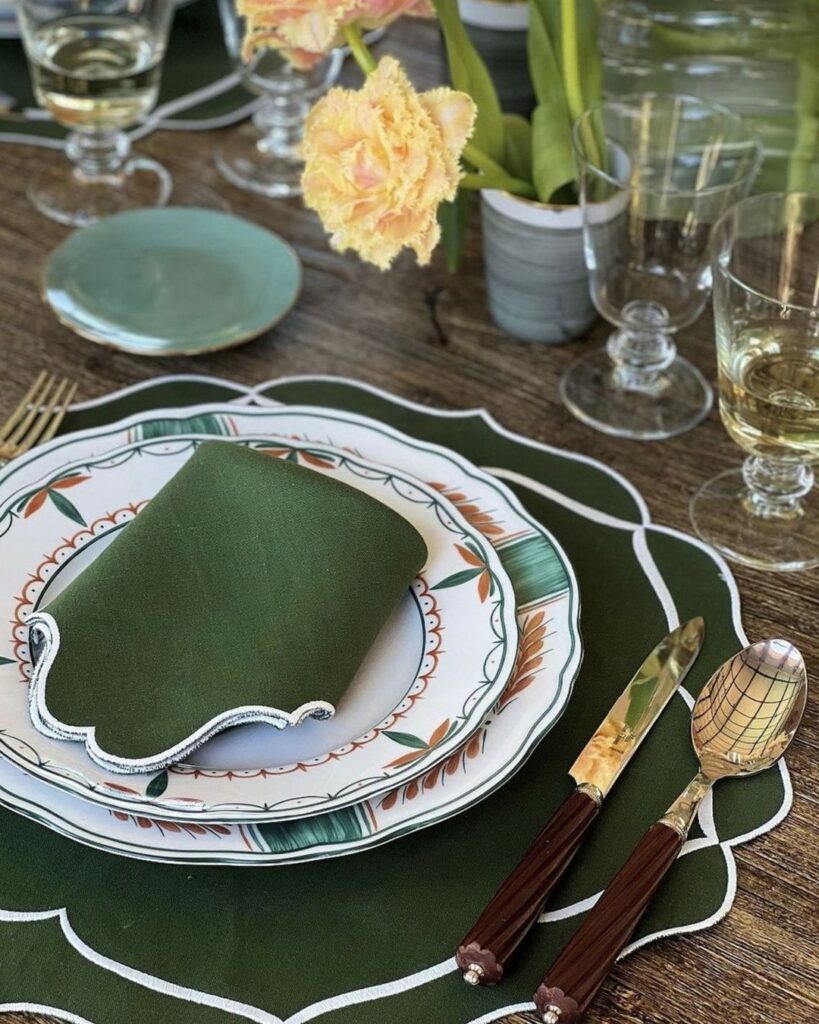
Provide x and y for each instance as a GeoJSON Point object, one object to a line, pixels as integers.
{"type": "Point", "coordinates": [415, 701]}
{"type": "Point", "coordinates": [549, 655]}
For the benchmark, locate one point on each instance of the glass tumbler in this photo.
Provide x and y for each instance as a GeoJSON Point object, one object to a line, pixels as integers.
{"type": "Point", "coordinates": [263, 155]}
{"type": "Point", "coordinates": [766, 309]}
{"type": "Point", "coordinates": [655, 173]}
{"type": "Point", "coordinates": [96, 66]}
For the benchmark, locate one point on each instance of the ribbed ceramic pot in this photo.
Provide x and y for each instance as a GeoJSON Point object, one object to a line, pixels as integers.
{"type": "Point", "coordinates": [536, 275]}
{"type": "Point", "coordinates": [498, 31]}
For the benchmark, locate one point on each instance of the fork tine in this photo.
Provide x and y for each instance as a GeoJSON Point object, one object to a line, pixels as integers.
{"type": "Point", "coordinates": [33, 435]}
{"type": "Point", "coordinates": [28, 399]}
{"type": "Point", "coordinates": [35, 406]}
{"type": "Point", "coordinates": [59, 414]}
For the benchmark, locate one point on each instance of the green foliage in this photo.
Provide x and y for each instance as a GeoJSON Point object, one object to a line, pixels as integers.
{"type": "Point", "coordinates": [552, 160]}
{"type": "Point", "coordinates": [566, 76]}
{"type": "Point", "coordinates": [469, 75]}
{"type": "Point", "coordinates": [518, 146]}
{"type": "Point", "coordinates": [454, 219]}
{"type": "Point", "coordinates": [543, 47]}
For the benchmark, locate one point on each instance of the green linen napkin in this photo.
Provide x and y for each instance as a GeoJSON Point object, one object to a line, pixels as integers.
{"type": "Point", "coordinates": [250, 588]}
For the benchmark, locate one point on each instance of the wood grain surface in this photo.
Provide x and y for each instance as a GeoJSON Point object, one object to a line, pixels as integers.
{"type": "Point", "coordinates": [426, 335]}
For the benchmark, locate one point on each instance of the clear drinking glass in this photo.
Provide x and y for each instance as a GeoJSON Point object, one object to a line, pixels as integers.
{"type": "Point", "coordinates": [95, 66]}
{"type": "Point", "coordinates": [655, 172]}
{"type": "Point", "coordinates": [262, 155]}
{"type": "Point", "coordinates": [766, 309]}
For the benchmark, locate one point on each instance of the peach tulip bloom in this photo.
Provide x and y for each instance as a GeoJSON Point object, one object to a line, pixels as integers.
{"type": "Point", "coordinates": [379, 161]}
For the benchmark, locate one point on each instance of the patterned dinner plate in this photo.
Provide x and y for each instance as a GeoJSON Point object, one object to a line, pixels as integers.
{"type": "Point", "coordinates": [536, 694]}
{"type": "Point", "coordinates": [434, 673]}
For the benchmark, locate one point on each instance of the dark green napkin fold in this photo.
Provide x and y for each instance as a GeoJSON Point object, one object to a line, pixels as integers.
{"type": "Point", "coordinates": [250, 588]}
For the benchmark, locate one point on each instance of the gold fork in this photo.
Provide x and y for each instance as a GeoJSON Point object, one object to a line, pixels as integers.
{"type": "Point", "coordinates": [38, 416]}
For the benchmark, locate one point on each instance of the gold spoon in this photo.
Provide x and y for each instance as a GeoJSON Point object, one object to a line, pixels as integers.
{"type": "Point", "coordinates": [741, 724]}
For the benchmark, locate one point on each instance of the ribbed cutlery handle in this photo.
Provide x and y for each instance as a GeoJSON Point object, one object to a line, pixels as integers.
{"type": "Point", "coordinates": [483, 953]}
{"type": "Point", "coordinates": [574, 979]}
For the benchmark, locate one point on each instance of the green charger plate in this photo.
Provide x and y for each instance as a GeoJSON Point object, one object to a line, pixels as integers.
{"type": "Point", "coordinates": [172, 281]}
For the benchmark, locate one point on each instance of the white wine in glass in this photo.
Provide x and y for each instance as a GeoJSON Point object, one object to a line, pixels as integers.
{"type": "Point", "coordinates": [766, 311]}
{"type": "Point", "coordinates": [96, 67]}
{"type": "Point", "coordinates": [96, 72]}
{"type": "Point", "coordinates": [769, 392]}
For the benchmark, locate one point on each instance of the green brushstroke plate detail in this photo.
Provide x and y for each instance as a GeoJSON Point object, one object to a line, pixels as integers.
{"type": "Point", "coordinates": [172, 281]}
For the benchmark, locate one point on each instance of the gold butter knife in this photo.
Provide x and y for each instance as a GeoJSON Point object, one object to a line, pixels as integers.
{"type": "Point", "coordinates": [485, 950]}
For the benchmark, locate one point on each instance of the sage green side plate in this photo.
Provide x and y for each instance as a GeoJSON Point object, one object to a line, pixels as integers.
{"type": "Point", "coordinates": [172, 281]}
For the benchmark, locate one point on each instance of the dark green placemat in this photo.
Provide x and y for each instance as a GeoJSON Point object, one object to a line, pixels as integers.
{"type": "Point", "coordinates": [370, 937]}
{"type": "Point", "coordinates": [199, 84]}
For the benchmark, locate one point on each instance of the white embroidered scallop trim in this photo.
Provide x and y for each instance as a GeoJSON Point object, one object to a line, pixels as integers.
{"type": "Point", "coordinates": [46, 723]}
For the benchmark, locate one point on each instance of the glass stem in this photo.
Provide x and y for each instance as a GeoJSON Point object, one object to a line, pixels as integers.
{"type": "Point", "coordinates": [97, 155]}
{"type": "Point", "coordinates": [776, 489]}
{"type": "Point", "coordinates": [642, 348]}
{"type": "Point", "coordinates": [280, 121]}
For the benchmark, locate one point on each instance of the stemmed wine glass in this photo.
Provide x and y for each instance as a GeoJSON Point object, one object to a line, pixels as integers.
{"type": "Point", "coordinates": [263, 155]}
{"type": "Point", "coordinates": [655, 172]}
{"type": "Point", "coordinates": [96, 67]}
{"type": "Point", "coordinates": [766, 309]}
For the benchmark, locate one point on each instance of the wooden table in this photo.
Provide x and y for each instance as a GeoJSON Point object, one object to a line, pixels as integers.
{"type": "Point", "coordinates": [426, 335]}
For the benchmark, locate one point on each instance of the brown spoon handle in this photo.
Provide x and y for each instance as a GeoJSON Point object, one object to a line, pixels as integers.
{"type": "Point", "coordinates": [574, 979]}
{"type": "Point", "coordinates": [517, 904]}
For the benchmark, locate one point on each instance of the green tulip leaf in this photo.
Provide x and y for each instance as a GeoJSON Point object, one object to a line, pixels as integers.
{"type": "Point", "coordinates": [518, 153]}
{"type": "Point", "coordinates": [553, 163]}
{"type": "Point", "coordinates": [543, 45]}
{"type": "Point", "coordinates": [469, 75]}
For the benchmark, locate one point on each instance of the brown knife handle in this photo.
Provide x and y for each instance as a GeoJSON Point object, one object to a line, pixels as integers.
{"type": "Point", "coordinates": [483, 953]}
{"type": "Point", "coordinates": [575, 977]}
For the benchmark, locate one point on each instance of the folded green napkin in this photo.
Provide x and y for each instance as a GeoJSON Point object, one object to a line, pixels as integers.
{"type": "Point", "coordinates": [249, 589]}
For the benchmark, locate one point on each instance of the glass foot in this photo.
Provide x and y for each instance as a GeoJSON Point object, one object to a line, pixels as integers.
{"type": "Point", "coordinates": [678, 398]}
{"type": "Point", "coordinates": [249, 160]}
{"type": "Point", "coordinates": [67, 195]}
{"type": "Point", "coordinates": [724, 515]}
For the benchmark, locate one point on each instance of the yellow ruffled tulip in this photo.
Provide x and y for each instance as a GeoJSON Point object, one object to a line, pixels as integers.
{"type": "Point", "coordinates": [379, 161]}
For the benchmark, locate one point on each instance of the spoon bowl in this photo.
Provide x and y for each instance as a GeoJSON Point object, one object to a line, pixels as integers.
{"type": "Point", "coordinates": [748, 712]}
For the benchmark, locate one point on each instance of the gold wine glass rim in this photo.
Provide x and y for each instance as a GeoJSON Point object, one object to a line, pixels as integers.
{"type": "Point", "coordinates": [751, 142]}
{"type": "Point", "coordinates": [719, 260]}
{"type": "Point", "coordinates": [722, 691]}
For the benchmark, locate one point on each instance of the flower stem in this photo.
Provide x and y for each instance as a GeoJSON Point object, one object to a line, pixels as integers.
{"type": "Point", "coordinates": [516, 186]}
{"type": "Point", "coordinates": [479, 159]}
{"type": "Point", "coordinates": [569, 54]}
{"type": "Point", "coordinates": [358, 48]}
